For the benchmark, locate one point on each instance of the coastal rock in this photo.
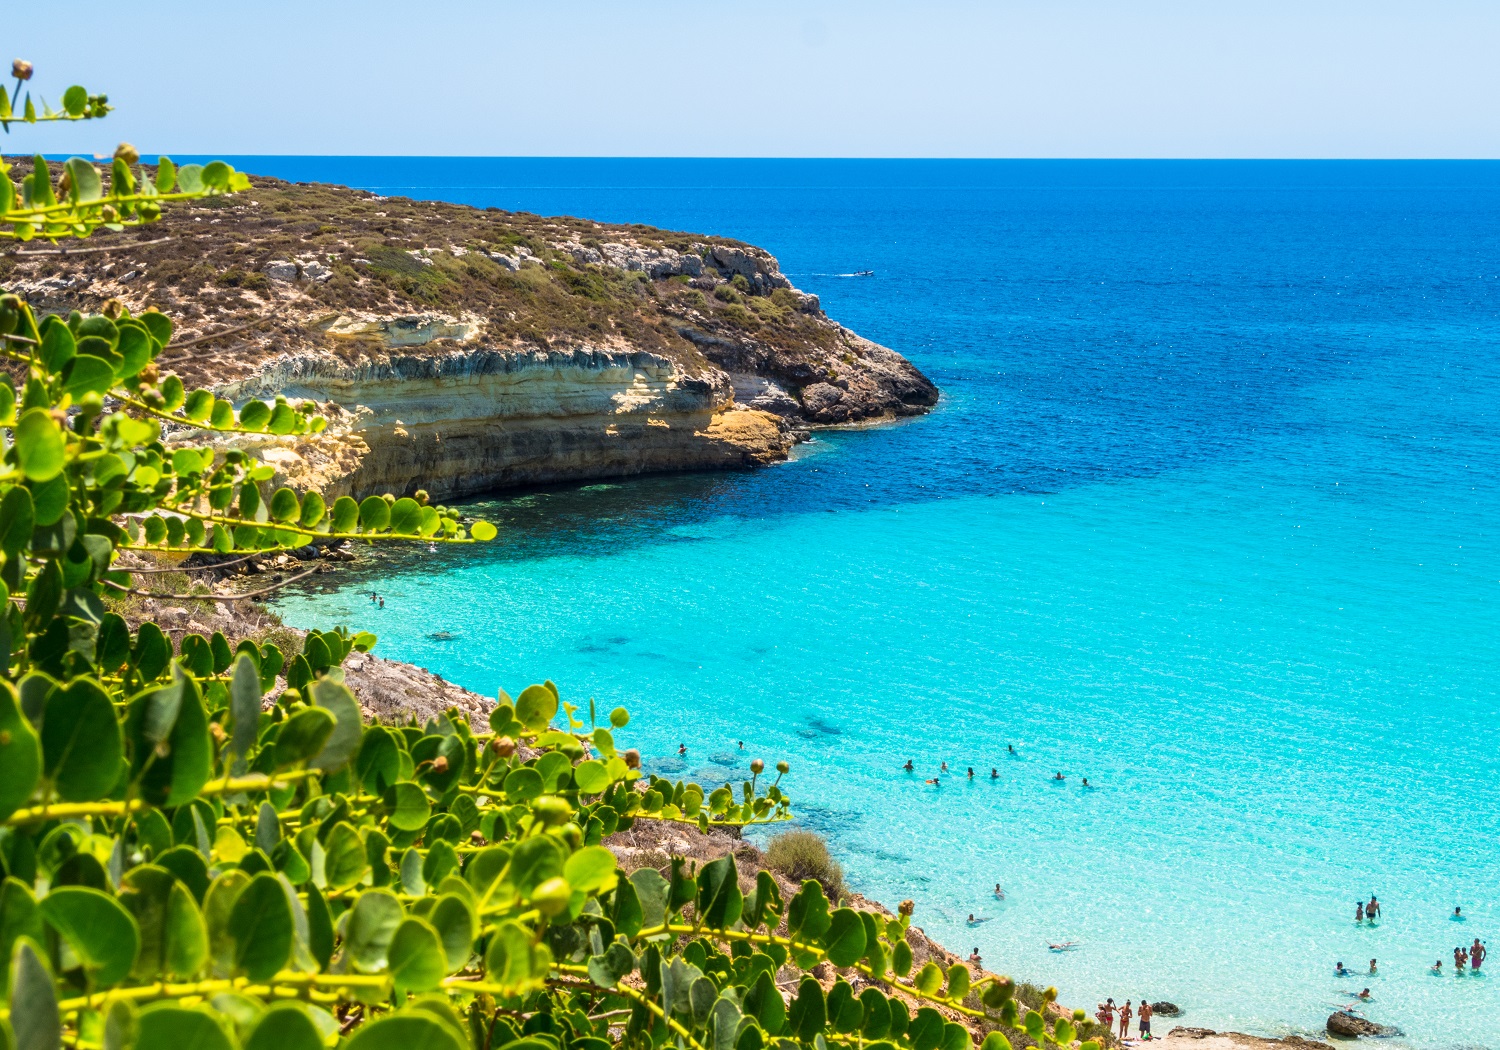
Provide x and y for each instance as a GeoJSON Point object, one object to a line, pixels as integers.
{"type": "Point", "coordinates": [1166, 1009]}
{"type": "Point", "coordinates": [1181, 1032]}
{"type": "Point", "coordinates": [462, 350]}
{"type": "Point", "coordinates": [1349, 1026]}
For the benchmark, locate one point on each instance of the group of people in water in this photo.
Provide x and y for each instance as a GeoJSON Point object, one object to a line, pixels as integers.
{"type": "Point", "coordinates": [1470, 958]}
{"type": "Point", "coordinates": [376, 599]}
{"type": "Point", "coordinates": [1010, 749]}
{"type": "Point", "coordinates": [1107, 1012]}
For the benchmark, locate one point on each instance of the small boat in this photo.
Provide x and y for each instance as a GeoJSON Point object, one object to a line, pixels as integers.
{"type": "Point", "coordinates": [863, 273]}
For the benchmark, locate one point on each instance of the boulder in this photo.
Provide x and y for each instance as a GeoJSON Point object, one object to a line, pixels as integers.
{"type": "Point", "coordinates": [1166, 1009]}
{"type": "Point", "coordinates": [280, 270]}
{"type": "Point", "coordinates": [1191, 1033]}
{"type": "Point", "coordinates": [1301, 1042]}
{"type": "Point", "coordinates": [1351, 1026]}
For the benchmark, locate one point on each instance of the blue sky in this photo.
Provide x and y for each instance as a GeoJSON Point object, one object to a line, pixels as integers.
{"type": "Point", "coordinates": [1009, 78]}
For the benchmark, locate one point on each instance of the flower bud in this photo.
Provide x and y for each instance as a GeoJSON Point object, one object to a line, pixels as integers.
{"type": "Point", "coordinates": [757, 767]}
{"type": "Point", "coordinates": [113, 309]}
{"type": "Point", "coordinates": [783, 767]}
{"type": "Point", "coordinates": [440, 764]}
{"type": "Point", "coordinates": [150, 374]}
{"type": "Point", "coordinates": [503, 746]}
{"type": "Point", "coordinates": [551, 897]}
{"type": "Point", "coordinates": [477, 837]}
{"type": "Point", "coordinates": [128, 153]}
{"type": "Point", "coordinates": [21, 69]}
{"type": "Point", "coordinates": [632, 759]}
{"type": "Point", "coordinates": [907, 907]}
{"type": "Point", "coordinates": [216, 731]}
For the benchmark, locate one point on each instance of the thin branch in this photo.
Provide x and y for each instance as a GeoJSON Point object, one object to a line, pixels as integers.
{"type": "Point", "coordinates": [20, 339]}
{"type": "Point", "coordinates": [87, 251]}
{"type": "Point", "coordinates": [200, 568]}
{"type": "Point", "coordinates": [215, 597]}
{"type": "Point", "coordinates": [217, 335]}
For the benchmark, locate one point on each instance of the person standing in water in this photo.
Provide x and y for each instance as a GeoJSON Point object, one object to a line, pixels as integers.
{"type": "Point", "coordinates": [1125, 1014]}
{"type": "Point", "coordinates": [1476, 955]}
{"type": "Point", "coordinates": [1372, 910]}
{"type": "Point", "coordinates": [1460, 960]}
{"type": "Point", "coordinates": [1359, 911]}
{"type": "Point", "coordinates": [1372, 967]}
{"type": "Point", "coordinates": [1458, 914]}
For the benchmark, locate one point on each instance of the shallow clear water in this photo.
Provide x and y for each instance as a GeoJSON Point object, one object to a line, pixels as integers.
{"type": "Point", "coordinates": [1207, 515]}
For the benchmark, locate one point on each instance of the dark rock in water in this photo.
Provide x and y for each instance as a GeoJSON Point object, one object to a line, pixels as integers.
{"type": "Point", "coordinates": [1191, 1033]}
{"type": "Point", "coordinates": [1166, 1009]}
{"type": "Point", "coordinates": [1349, 1026]}
{"type": "Point", "coordinates": [826, 728]}
{"type": "Point", "coordinates": [810, 734]}
{"type": "Point", "coordinates": [724, 760]}
{"type": "Point", "coordinates": [442, 636]}
{"type": "Point", "coordinates": [669, 765]}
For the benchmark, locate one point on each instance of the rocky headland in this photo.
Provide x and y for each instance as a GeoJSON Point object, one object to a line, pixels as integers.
{"type": "Point", "coordinates": [462, 350]}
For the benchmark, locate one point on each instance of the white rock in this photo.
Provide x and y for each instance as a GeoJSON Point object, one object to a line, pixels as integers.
{"type": "Point", "coordinates": [280, 270]}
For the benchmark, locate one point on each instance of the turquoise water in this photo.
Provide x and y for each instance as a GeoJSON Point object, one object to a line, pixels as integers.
{"type": "Point", "coordinates": [1207, 515]}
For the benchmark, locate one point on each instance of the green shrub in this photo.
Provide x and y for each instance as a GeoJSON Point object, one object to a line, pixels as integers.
{"type": "Point", "coordinates": [800, 854]}
{"type": "Point", "coordinates": [726, 294]}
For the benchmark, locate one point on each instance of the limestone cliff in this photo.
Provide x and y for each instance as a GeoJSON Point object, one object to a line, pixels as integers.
{"type": "Point", "coordinates": [462, 351]}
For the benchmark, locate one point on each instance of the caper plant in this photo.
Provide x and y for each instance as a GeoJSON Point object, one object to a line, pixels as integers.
{"type": "Point", "coordinates": [208, 845]}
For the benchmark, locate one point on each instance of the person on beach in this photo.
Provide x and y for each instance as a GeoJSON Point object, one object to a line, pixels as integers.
{"type": "Point", "coordinates": [1372, 910]}
{"type": "Point", "coordinates": [1144, 1023]}
{"type": "Point", "coordinates": [1359, 911]}
{"type": "Point", "coordinates": [1125, 1015]}
{"type": "Point", "coordinates": [1339, 970]}
{"type": "Point", "coordinates": [908, 767]}
{"type": "Point", "coordinates": [1105, 1015]}
{"type": "Point", "coordinates": [1372, 967]}
{"type": "Point", "coordinates": [1460, 959]}
{"type": "Point", "coordinates": [1477, 955]}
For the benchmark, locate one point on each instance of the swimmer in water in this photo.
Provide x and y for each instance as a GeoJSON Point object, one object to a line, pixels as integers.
{"type": "Point", "coordinates": [1372, 910]}
{"type": "Point", "coordinates": [1437, 966]}
{"type": "Point", "coordinates": [1458, 914]}
{"type": "Point", "coordinates": [1000, 896]}
{"type": "Point", "coordinates": [1359, 911]}
{"type": "Point", "coordinates": [994, 773]}
{"type": "Point", "coordinates": [908, 767]}
{"type": "Point", "coordinates": [976, 921]}
{"type": "Point", "coordinates": [945, 767]}
{"type": "Point", "coordinates": [971, 772]}
{"type": "Point", "coordinates": [1364, 995]}
{"type": "Point", "coordinates": [1058, 776]}
{"type": "Point", "coordinates": [1011, 748]}
{"type": "Point", "coordinates": [1086, 782]}
{"type": "Point", "coordinates": [1460, 960]}
{"type": "Point", "coordinates": [974, 959]}
{"type": "Point", "coordinates": [1477, 955]}
{"type": "Point", "coordinates": [935, 782]}
{"type": "Point", "coordinates": [1064, 946]}
{"type": "Point", "coordinates": [1340, 970]}
{"type": "Point", "coordinates": [1372, 967]}
{"type": "Point", "coordinates": [682, 749]}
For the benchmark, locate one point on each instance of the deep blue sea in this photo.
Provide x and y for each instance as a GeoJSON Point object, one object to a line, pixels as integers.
{"type": "Point", "coordinates": [1209, 515]}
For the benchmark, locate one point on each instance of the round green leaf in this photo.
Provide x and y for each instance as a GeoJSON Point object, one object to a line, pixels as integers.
{"type": "Point", "coordinates": [591, 777]}
{"type": "Point", "coordinates": [592, 870]}
{"type": "Point", "coordinates": [81, 743]}
{"type": "Point", "coordinates": [371, 926]}
{"type": "Point", "coordinates": [88, 374]}
{"type": "Point", "coordinates": [187, 935]}
{"type": "Point", "coordinates": [313, 509]}
{"type": "Point", "coordinates": [405, 1031]}
{"type": "Point", "coordinates": [345, 514]}
{"type": "Point", "coordinates": [536, 706]}
{"type": "Point", "coordinates": [416, 957]}
{"type": "Point", "coordinates": [454, 920]}
{"type": "Point", "coordinates": [510, 961]}
{"type": "Point", "coordinates": [845, 938]}
{"type": "Point", "coordinates": [406, 517]}
{"type": "Point", "coordinates": [409, 807]}
{"type": "Point", "coordinates": [483, 531]}
{"type": "Point", "coordinates": [303, 735]}
{"type": "Point", "coordinates": [374, 514]}
{"type": "Point", "coordinates": [20, 754]}
{"type": "Point", "coordinates": [523, 784]}
{"type": "Point", "coordinates": [285, 1026]}
{"type": "Point", "coordinates": [98, 928]}
{"type": "Point", "coordinates": [255, 415]}
{"type": "Point", "coordinates": [40, 448]}
{"type": "Point", "coordinates": [284, 505]}
{"type": "Point", "coordinates": [166, 1024]}
{"type": "Point", "coordinates": [261, 925]}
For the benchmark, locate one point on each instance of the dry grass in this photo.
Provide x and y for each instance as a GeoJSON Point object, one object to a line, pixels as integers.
{"type": "Point", "coordinates": [800, 854]}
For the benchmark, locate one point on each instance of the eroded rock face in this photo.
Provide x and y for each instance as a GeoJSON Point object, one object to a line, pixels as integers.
{"type": "Point", "coordinates": [461, 424]}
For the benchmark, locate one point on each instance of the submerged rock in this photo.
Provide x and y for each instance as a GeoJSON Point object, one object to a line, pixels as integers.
{"type": "Point", "coordinates": [1166, 1009]}
{"type": "Point", "coordinates": [1350, 1026]}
